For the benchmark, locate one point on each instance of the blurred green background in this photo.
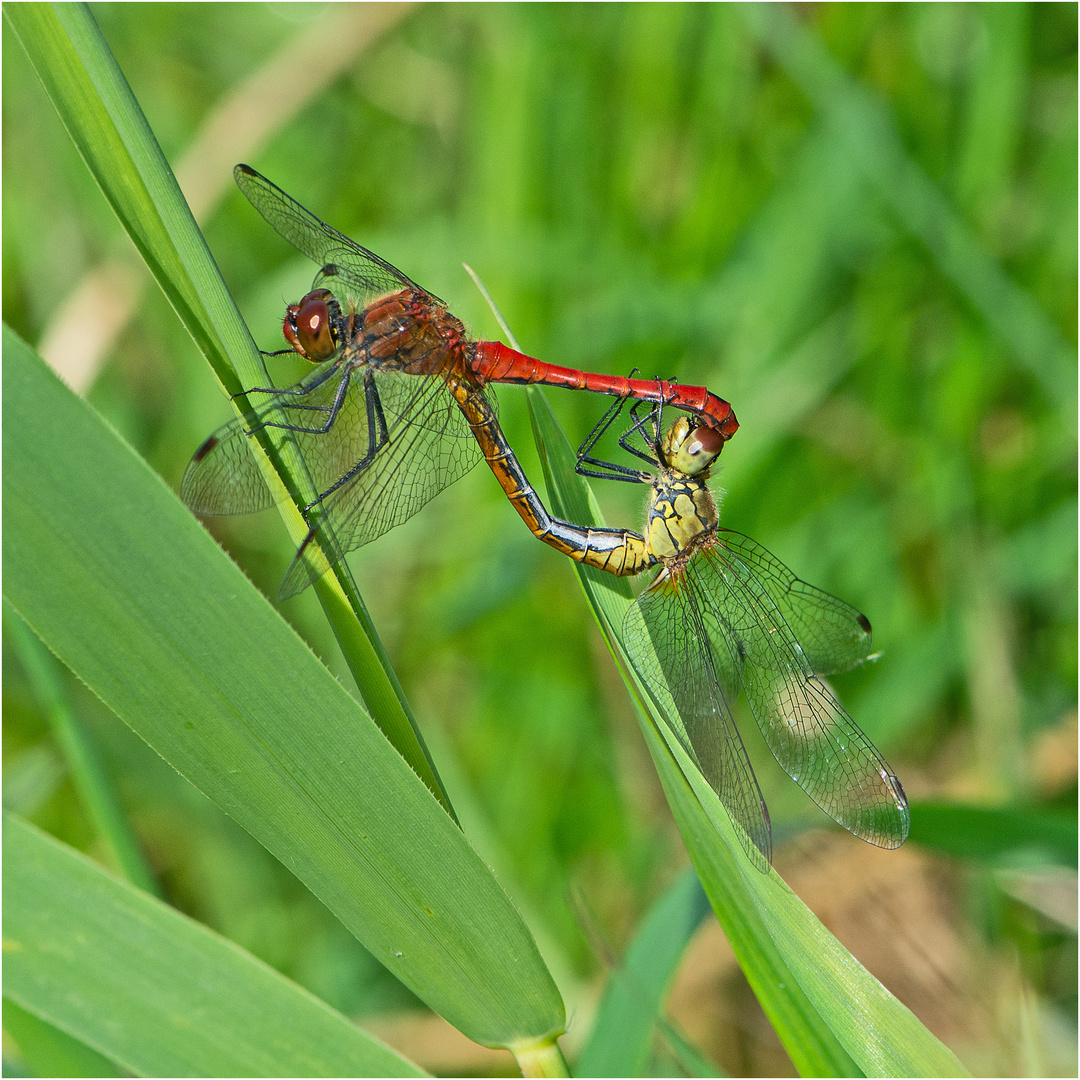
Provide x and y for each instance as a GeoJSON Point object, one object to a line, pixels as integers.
{"type": "Point", "coordinates": [855, 222]}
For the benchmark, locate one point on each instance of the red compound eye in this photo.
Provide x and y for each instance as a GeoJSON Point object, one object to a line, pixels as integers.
{"type": "Point", "coordinates": [308, 327]}
{"type": "Point", "coordinates": [711, 440]}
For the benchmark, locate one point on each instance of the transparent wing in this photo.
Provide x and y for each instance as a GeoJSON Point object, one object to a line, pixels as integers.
{"type": "Point", "coordinates": [430, 446]}
{"type": "Point", "coordinates": [223, 476]}
{"type": "Point", "coordinates": [834, 636]}
{"type": "Point", "coordinates": [811, 736]}
{"type": "Point", "coordinates": [364, 275]}
{"type": "Point", "coordinates": [666, 642]}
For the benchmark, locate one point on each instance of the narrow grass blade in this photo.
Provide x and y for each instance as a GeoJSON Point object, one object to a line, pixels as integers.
{"type": "Point", "coordinates": [105, 122]}
{"type": "Point", "coordinates": [833, 1017]}
{"type": "Point", "coordinates": [87, 771]}
{"type": "Point", "coordinates": [154, 990]}
{"type": "Point", "coordinates": [124, 586]}
{"type": "Point", "coordinates": [994, 832]}
{"type": "Point", "coordinates": [634, 996]}
{"type": "Point", "coordinates": [874, 143]}
{"type": "Point", "coordinates": [691, 1060]}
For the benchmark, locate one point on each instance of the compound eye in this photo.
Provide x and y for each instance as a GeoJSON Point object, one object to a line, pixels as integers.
{"type": "Point", "coordinates": [709, 440]}
{"type": "Point", "coordinates": [314, 329]}
{"type": "Point", "coordinates": [698, 450]}
{"type": "Point", "coordinates": [309, 328]}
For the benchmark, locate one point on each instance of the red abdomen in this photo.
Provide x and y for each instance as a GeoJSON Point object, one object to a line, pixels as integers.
{"type": "Point", "coordinates": [494, 362]}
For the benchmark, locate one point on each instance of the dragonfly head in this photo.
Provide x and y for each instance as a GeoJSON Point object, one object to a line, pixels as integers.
{"type": "Point", "coordinates": [691, 448]}
{"type": "Point", "coordinates": [311, 327]}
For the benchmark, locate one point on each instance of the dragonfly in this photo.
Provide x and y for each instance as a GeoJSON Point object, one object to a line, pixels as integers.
{"type": "Point", "coordinates": [722, 615]}
{"type": "Point", "coordinates": [395, 407]}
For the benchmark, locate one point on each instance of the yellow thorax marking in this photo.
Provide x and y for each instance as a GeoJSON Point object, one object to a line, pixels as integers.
{"type": "Point", "coordinates": [682, 509]}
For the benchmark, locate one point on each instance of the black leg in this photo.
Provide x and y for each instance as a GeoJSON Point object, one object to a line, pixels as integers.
{"type": "Point", "coordinates": [298, 390]}
{"type": "Point", "coordinates": [658, 429]}
{"type": "Point", "coordinates": [629, 476]}
{"type": "Point", "coordinates": [601, 426]}
{"type": "Point", "coordinates": [331, 410]}
{"type": "Point", "coordinates": [606, 470]}
{"type": "Point", "coordinates": [652, 457]}
{"type": "Point", "coordinates": [374, 405]}
{"type": "Point", "coordinates": [376, 442]}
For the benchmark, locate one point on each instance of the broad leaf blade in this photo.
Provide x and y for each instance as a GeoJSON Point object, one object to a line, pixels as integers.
{"type": "Point", "coordinates": [131, 593]}
{"type": "Point", "coordinates": [109, 129]}
{"type": "Point", "coordinates": [48, 1051]}
{"type": "Point", "coordinates": [153, 989]}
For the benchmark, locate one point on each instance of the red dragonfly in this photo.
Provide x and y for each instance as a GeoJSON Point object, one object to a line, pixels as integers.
{"type": "Point", "coordinates": [395, 409]}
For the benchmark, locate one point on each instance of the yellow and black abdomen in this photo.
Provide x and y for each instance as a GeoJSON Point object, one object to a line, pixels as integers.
{"type": "Point", "coordinates": [616, 551]}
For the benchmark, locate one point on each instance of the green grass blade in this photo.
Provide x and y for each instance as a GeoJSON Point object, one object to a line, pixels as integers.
{"type": "Point", "coordinates": [48, 1051]}
{"type": "Point", "coordinates": [154, 990]}
{"type": "Point", "coordinates": [874, 143]}
{"type": "Point", "coordinates": [109, 129]}
{"type": "Point", "coordinates": [87, 771]}
{"type": "Point", "coordinates": [118, 579]}
{"type": "Point", "coordinates": [622, 1034]}
{"type": "Point", "coordinates": [831, 1014]}
{"type": "Point", "coordinates": [994, 832]}
{"type": "Point", "coordinates": [690, 1059]}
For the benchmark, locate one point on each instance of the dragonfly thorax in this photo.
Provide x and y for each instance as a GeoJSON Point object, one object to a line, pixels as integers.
{"type": "Point", "coordinates": [682, 515]}
{"type": "Point", "coordinates": [682, 510]}
{"type": "Point", "coordinates": [408, 333]}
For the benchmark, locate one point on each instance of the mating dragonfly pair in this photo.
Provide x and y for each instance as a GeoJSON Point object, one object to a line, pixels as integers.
{"type": "Point", "coordinates": [396, 409]}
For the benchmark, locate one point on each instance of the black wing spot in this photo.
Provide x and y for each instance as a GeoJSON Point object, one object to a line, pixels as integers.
{"type": "Point", "coordinates": [864, 622]}
{"type": "Point", "coordinates": [205, 449]}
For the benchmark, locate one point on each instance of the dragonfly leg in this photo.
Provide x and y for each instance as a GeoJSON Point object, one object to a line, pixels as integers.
{"type": "Point", "coordinates": [638, 426]}
{"type": "Point", "coordinates": [271, 389]}
{"type": "Point", "coordinates": [259, 390]}
{"type": "Point", "coordinates": [375, 412]}
{"type": "Point", "coordinates": [587, 465]}
{"type": "Point", "coordinates": [299, 427]}
{"type": "Point", "coordinates": [376, 441]}
{"type": "Point", "coordinates": [331, 410]}
{"type": "Point", "coordinates": [293, 391]}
